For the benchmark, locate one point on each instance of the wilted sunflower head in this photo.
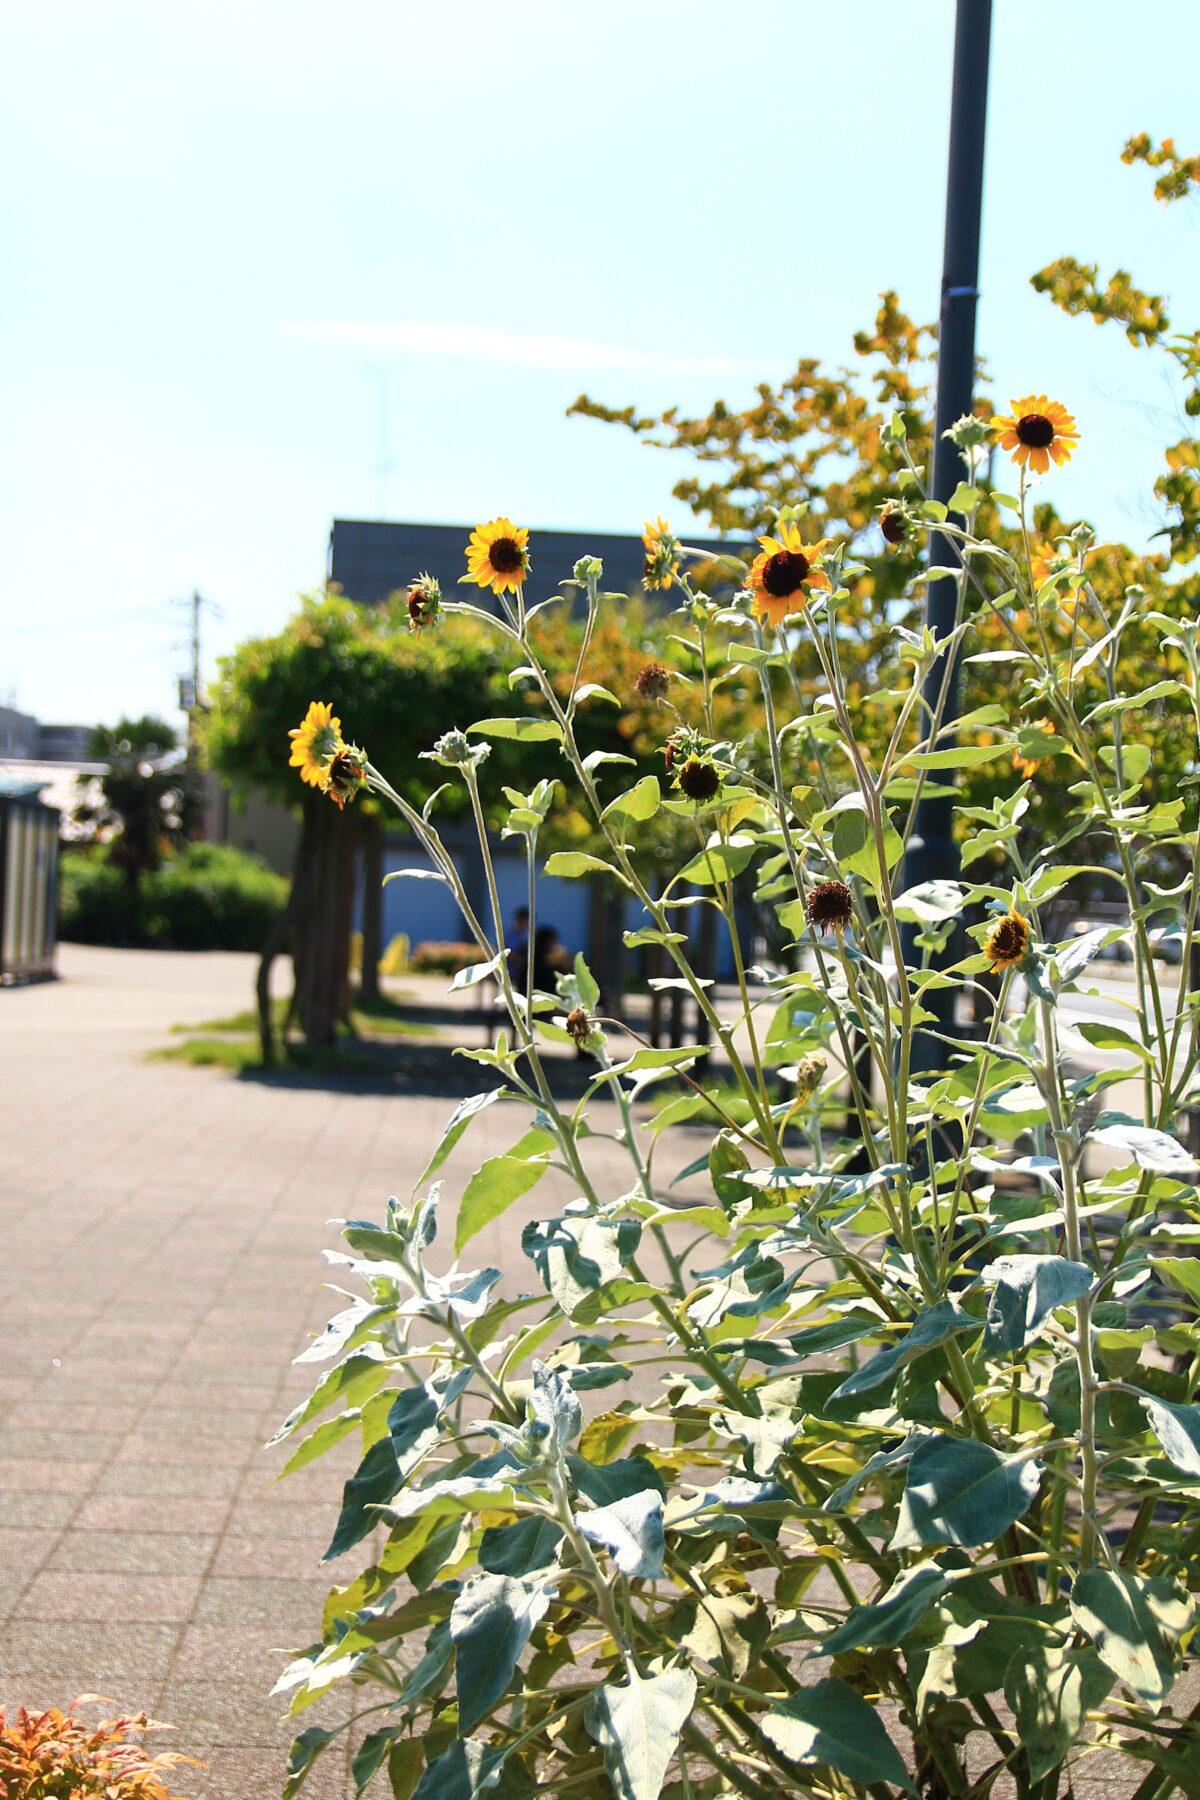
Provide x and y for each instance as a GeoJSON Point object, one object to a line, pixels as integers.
{"type": "Point", "coordinates": [781, 575]}
{"type": "Point", "coordinates": [661, 566]}
{"type": "Point", "coordinates": [1037, 432]}
{"type": "Point", "coordinates": [424, 601]}
{"type": "Point", "coordinates": [1007, 942]}
{"type": "Point", "coordinates": [894, 523]}
{"type": "Point", "coordinates": [498, 556]}
{"type": "Point", "coordinates": [347, 774]}
{"type": "Point", "coordinates": [829, 906]}
{"type": "Point", "coordinates": [653, 681]}
{"type": "Point", "coordinates": [315, 743]}
{"type": "Point", "coordinates": [810, 1073]}
{"type": "Point", "coordinates": [699, 778]}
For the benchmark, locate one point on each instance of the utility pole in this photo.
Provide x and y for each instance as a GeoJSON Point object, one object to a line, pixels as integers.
{"type": "Point", "coordinates": [932, 854]}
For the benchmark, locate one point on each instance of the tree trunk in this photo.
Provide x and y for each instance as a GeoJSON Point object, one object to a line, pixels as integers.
{"type": "Point", "coordinates": [371, 831]}
{"type": "Point", "coordinates": [324, 936]}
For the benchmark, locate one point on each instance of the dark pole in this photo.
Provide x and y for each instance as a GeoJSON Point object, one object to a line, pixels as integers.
{"type": "Point", "coordinates": [932, 854]}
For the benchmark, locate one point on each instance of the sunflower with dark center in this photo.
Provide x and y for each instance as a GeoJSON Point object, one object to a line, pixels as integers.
{"type": "Point", "coordinates": [653, 681]}
{"type": "Point", "coordinates": [1038, 431]}
{"type": "Point", "coordinates": [699, 779]}
{"type": "Point", "coordinates": [1007, 943]}
{"type": "Point", "coordinates": [424, 602]}
{"type": "Point", "coordinates": [661, 565]}
{"type": "Point", "coordinates": [894, 524]}
{"type": "Point", "coordinates": [498, 556]}
{"type": "Point", "coordinates": [347, 774]}
{"type": "Point", "coordinates": [829, 906]}
{"type": "Point", "coordinates": [781, 576]}
{"type": "Point", "coordinates": [315, 743]}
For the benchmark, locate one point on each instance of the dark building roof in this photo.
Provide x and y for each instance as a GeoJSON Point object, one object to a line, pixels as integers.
{"type": "Point", "coordinates": [369, 560]}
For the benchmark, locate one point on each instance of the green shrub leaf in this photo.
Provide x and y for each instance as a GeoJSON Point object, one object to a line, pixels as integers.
{"type": "Point", "coordinates": [829, 1723]}
{"type": "Point", "coordinates": [637, 1725]}
{"type": "Point", "coordinates": [961, 1491]}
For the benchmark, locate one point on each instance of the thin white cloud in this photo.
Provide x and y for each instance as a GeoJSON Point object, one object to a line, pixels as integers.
{"type": "Point", "coordinates": [518, 349]}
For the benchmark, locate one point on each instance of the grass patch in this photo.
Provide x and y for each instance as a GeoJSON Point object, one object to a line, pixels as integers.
{"type": "Point", "coordinates": [233, 1053]}
{"type": "Point", "coordinates": [383, 1018]}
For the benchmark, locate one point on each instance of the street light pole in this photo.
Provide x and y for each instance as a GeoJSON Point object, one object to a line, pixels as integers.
{"type": "Point", "coordinates": [931, 854]}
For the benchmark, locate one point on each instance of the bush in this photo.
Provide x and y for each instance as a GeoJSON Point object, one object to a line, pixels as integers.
{"type": "Point", "coordinates": [210, 897]}
{"type": "Point", "coordinates": [52, 1755]}
{"type": "Point", "coordinates": [442, 959]}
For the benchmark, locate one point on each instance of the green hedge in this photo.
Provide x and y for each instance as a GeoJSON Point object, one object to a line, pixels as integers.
{"type": "Point", "coordinates": [209, 897]}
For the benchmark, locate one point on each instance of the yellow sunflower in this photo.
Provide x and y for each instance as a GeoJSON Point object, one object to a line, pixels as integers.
{"type": "Point", "coordinates": [1037, 431]}
{"type": "Point", "coordinates": [315, 744]}
{"type": "Point", "coordinates": [1007, 943]}
{"type": "Point", "coordinates": [779, 576]}
{"type": "Point", "coordinates": [498, 556]}
{"type": "Point", "coordinates": [661, 565]}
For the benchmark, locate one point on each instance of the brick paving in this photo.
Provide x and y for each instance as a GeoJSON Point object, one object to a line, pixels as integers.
{"type": "Point", "coordinates": [163, 1228]}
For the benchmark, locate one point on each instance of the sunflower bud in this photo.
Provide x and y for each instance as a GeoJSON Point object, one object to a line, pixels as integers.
{"type": "Point", "coordinates": [580, 1026]}
{"type": "Point", "coordinates": [653, 681]}
{"type": "Point", "coordinates": [588, 568]}
{"type": "Point", "coordinates": [454, 750]}
{"type": "Point", "coordinates": [424, 601]}
{"type": "Point", "coordinates": [969, 432]}
{"type": "Point", "coordinates": [829, 906]}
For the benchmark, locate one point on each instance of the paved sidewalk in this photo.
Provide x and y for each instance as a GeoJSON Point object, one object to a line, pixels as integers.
{"type": "Point", "coordinates": [162, 1229]}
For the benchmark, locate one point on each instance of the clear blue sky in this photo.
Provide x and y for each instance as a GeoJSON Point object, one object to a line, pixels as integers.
{"type": "Point", "coordinates": [229, 228]}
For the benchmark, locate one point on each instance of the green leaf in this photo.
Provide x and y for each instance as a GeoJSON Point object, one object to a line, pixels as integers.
{"type": "Point", "coordinates": [368, 1758]}
{"type": "Point", "coordinates": [1135, 1623]}
{"type": "Point", "coordinates": [639, 802]}
{"type": "Point", "coordinates": [853, 841]}
{"type": "Point", "coordinates": [1111, 1037]}
{"type": "Point", "coordinates": [960, 1491]}
{"type": "Point", "coordinates": [577, 862]}
{"type": "Point", "coordinates": [491, 1190]}
{"type": "Point", "coordinates": [491, 1622]}
{"type": "Point", "coordinates": [719, 861]}
{"type": "Point", "coordinates": [457, 1123]}
{"type": "Point", "coordinates": [591, 690]}
{"type": "Point", "coordinates": [1051, 1691]}
{"type": "Point", "coordinates": [474, 973]}
{"type": "Point", "coordinates": [353, 1381]}
{"type": "Point", "coordinates": [631, 1530]}
{"type": "Point", "coordinates": [322, 1439]}
{"type": "Point", "coordinates": [1158, 690]}
{"type": "Point", "coordinates": [406, 1760]}
{"type": "Point", "coordinates": [602, 1483]}
{"type": "Point", "coordinates": [1027, 1290]}
{"type": "Point", "coordinates": [829, 1723]}
{"type": "Point", "coordinates": [887, 1622]}
{"type": "Point", "coordinates": [412, 1429]}
{"type": "Point", "coordinates": [930, 903]}
{"type": "Point", "coordinates": [963, 756]}
{"type": "Point", "coordinates": [727, 1630]}
{"type": "Point", "coordinates": [637, 1725]}
{"type": "Point", "coordinates": [526, 731]}
{"type": "Point", "coordinates": [942, 1322]}
{"type": "Point", "coordinates": [1149, 1149]}
{"type": "Point", "coordinates": [519, 1549]}
{"type": "Point", "coordinates": [1180, 1272]}
{"type": "Point", "coordinates": [1177, 1429]}
{"type": "Point", "coordinates": [301, 1757]}
{"type": "Point", "coordinates": [576, 1256]}
{"type": "Point", "coordinates": [463, 1771]}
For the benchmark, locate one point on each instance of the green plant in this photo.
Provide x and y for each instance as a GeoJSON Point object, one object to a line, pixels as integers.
{"type": "Point", "coordinates": [206, 897]}
{"type": "Point", "coordinates": [52, 1755]}
{"type": "Point", "coordinates": [911, 1505]}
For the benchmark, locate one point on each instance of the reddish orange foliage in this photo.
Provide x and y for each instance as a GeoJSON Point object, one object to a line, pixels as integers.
{"type": "Point", "coordinates": [52, 1755]}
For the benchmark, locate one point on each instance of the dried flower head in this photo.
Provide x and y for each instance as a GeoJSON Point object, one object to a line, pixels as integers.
{"type": "Point", "coordinates": [347, 774]}
{"type": "Point", "coordinates": [1037, 432]}
{"type": "Point", "coordinates": [498, 556]}
{"type": "Point", "coordinates": [1007, 943]}
{"type": "Point", "coordinates": [829, 906]}
{"type": "Point", "coordinates": [581, 1026]}
{"type": "Point", "coordinates": [810, 1073]}
{"type": "Point", "coordinates": [699, 779]}
{"type": "Point", "coordinates": [661, 566]}
{"type": "Point", "coordinates": [315, 743]}
{"type": "Point", "coordinates": [780, 577]}
{"type": "Point", "coordinates": [653, 681]}
{"type": "Point", "coordinates": [424, 602]}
